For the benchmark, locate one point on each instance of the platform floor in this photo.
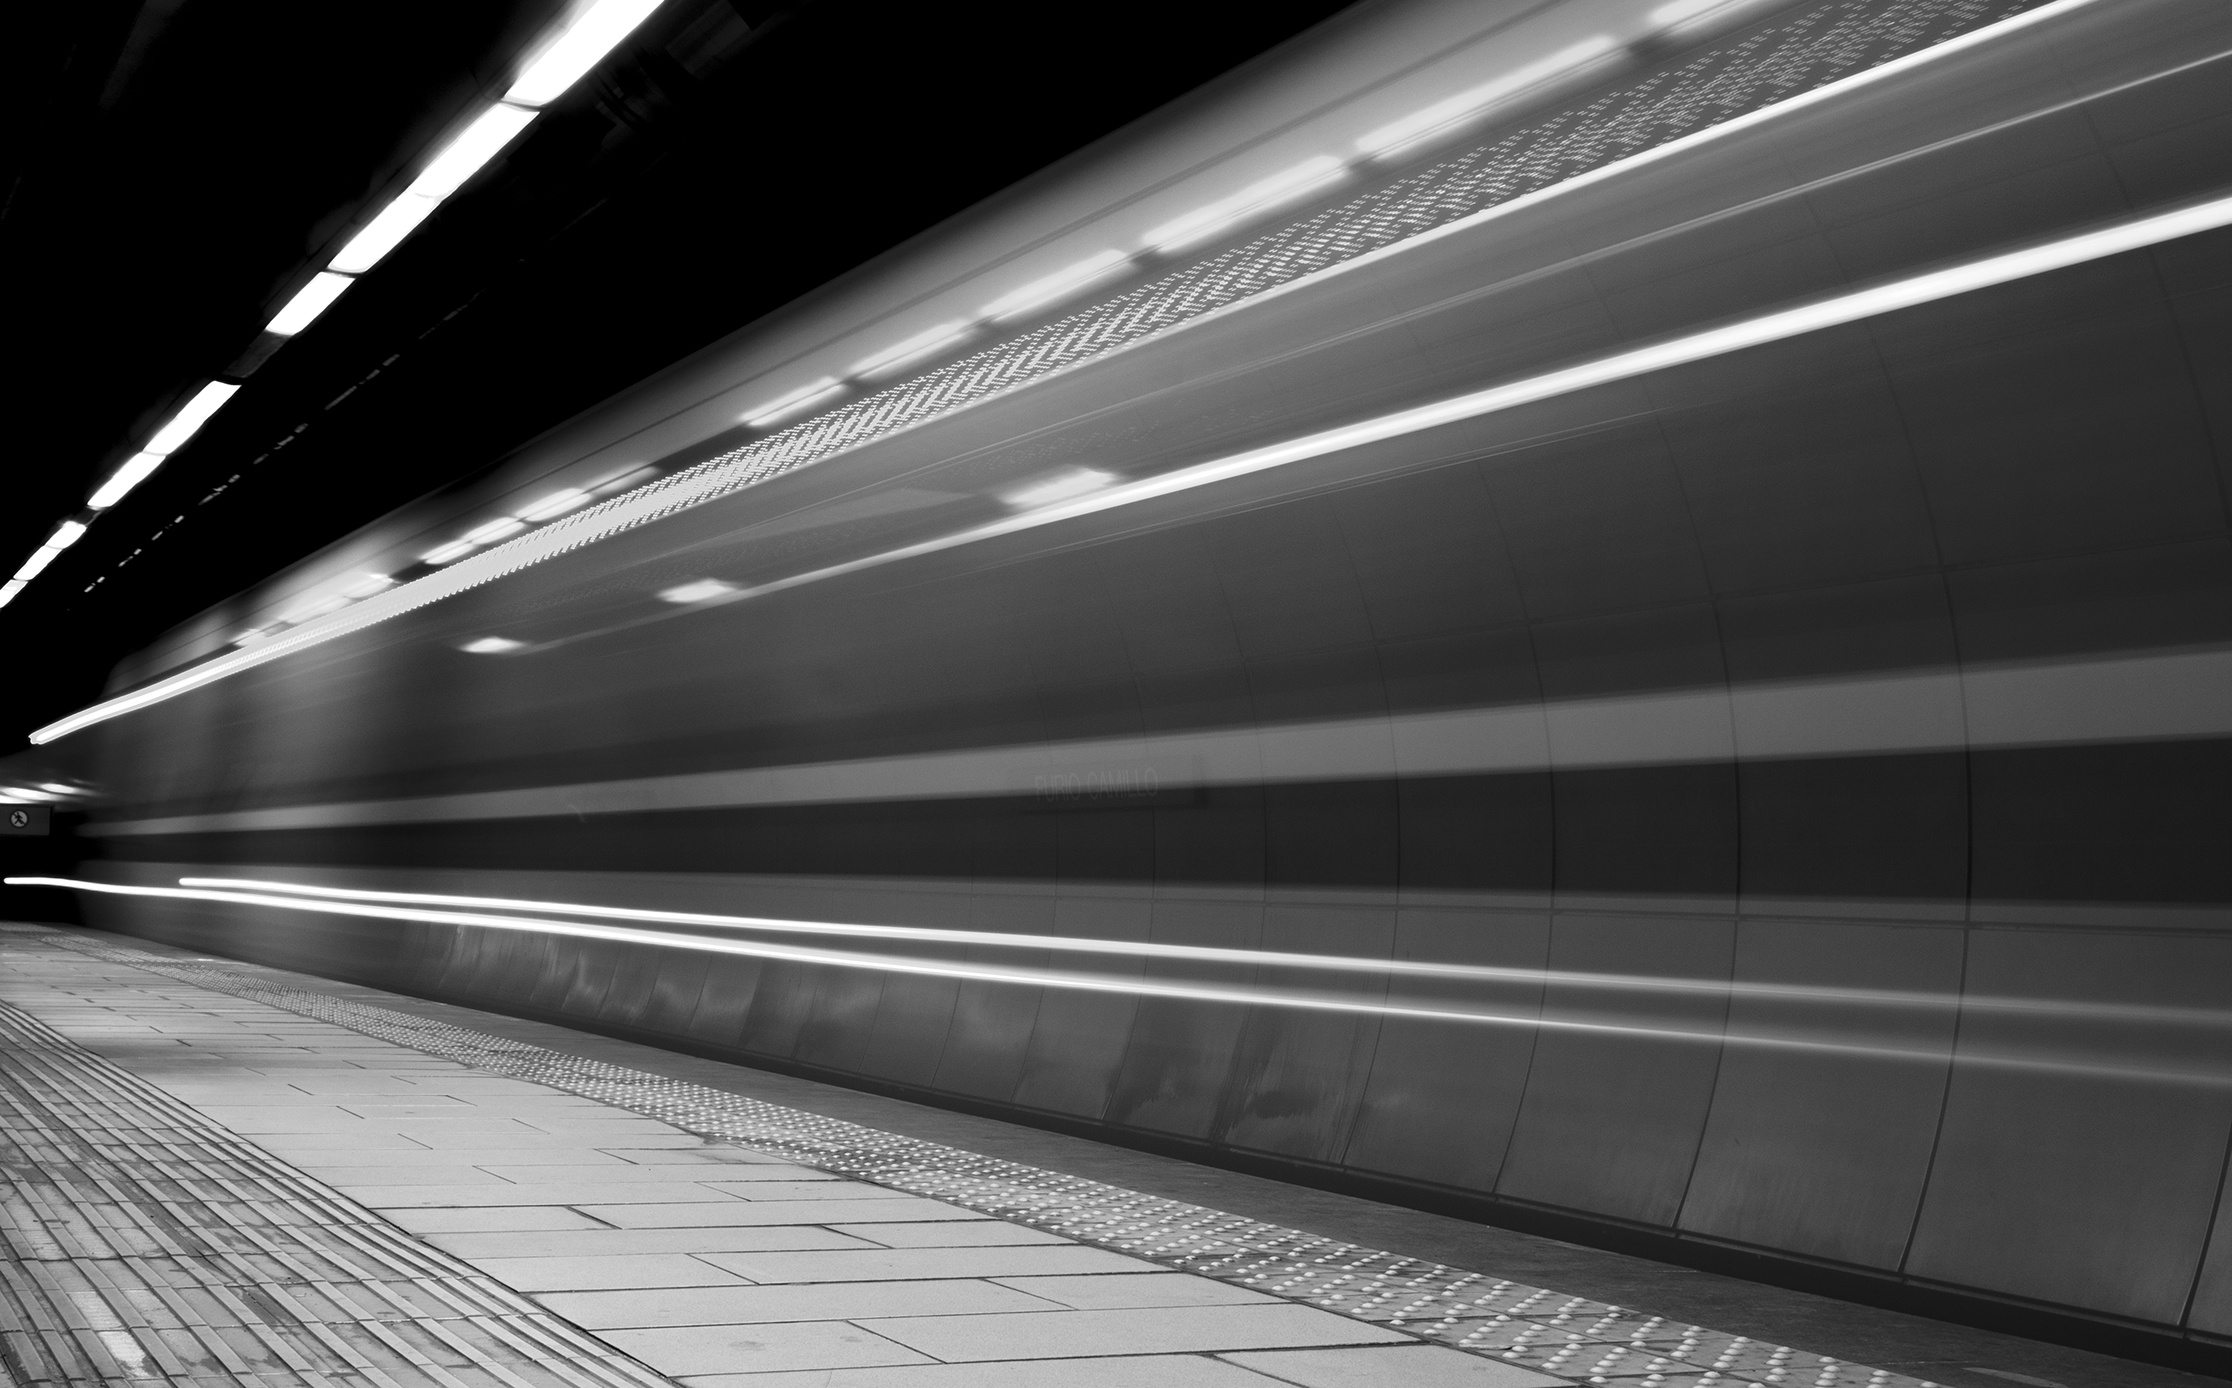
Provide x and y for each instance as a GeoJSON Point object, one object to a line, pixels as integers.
{"type": "Point", "coordinates": [222, 1173]}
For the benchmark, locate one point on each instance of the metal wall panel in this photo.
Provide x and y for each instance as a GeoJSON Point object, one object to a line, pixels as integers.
{"type": "Point", "coordinates": [2078, 1126]}
{"type": "Point", "coordinates": [1826, 1154]}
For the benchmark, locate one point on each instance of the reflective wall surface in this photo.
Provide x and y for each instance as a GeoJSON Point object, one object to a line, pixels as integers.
{"type": "Point", "coordinates": [1775, 793]}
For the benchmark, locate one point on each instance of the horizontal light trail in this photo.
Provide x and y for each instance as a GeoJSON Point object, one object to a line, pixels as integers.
{"type": "Point", "coordinates": [626, 512]}
{"type": "Point", "coordinates": [1256, 958]}
{"type": "Point", "coordinates": [1293, 999]}
{"type": "Point", "coordinates": [1766, 329]}
{"type": "Point", "coordinates": [1450, 114]}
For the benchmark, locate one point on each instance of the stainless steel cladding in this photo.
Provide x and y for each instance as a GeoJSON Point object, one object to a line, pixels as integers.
{"type": "Point", "coordinates": [1690, 691]}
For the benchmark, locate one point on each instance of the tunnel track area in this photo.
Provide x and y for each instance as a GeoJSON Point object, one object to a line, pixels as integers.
{"type": "Point", "coordinates": [55, 1082]}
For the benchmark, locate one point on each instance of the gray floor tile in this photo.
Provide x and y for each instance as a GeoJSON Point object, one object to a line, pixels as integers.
{"type": "Point", "coordinates": [606, 1272]}
{"type": "Point", "coordinates": [522, 1135]}
{"type": "Point", "coordinates": [386, 1144]}
{"type": "Point", "coordinates": [400, 1197]}
{"type": "Point", "coordinates": [636, 1310]}
{"type": "Point", "coordinates": [803, 1190]}
{"type": "Point", "coordinates": [485, 1159]}
{"type": "Point", "coordinates": [755, 1349]}
{"type": "Point", "coordinates": [1104, 1291]}
{"type": "Point", "coordinates": [980, 1233]}
{"type": "Point", "coordinates": [886, 1264]}
{"type": "Point", "coordinates": [1163, 1330]}
{"type": "Point", "coordinates": [601, 1242]}
{"type": "Point", "coordinates": [704, 1156]}
{"type": "Point", "coordinates": [1413, 1366]}
{"type": "Point", "coordinates": [657, 1173]}
{"type": "Point", "coordinates": [452, 1173]}
{"type": "Point", "coordinates": [491, 1218]}
{"type": "Point", "coordinates": [849, 1212]}
{"type": "Point", "coordinates": [1142, 1371]}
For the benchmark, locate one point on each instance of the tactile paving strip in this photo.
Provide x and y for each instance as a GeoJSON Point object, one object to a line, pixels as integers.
{"type": "Point", "coordinates": [1573, 1337]}
{"type": "Point", "coordinates": [142, 1244]}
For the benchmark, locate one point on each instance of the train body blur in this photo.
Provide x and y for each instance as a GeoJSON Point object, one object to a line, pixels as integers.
{"type": "Point", "coordinates": [1858, 700]}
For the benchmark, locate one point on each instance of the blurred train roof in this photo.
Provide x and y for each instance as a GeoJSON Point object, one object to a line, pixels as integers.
{"type": "Point", "coordinates": [176, 164]}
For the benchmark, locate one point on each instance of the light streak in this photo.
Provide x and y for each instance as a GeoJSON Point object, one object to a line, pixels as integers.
{"type": "Point", "coordinates": [796, 402]}
{"type": "Point", "coordinates": [1446, 116]}
{"type": "Point", "coordinates": [622, 514]}
{"type": "Point", "coordinates": [908, 351]}
{"type": "Point", "coordinates": [1279, 189]}
{"type": "Point", "coordinates": [1244, 996]}
{"type": "Point", "coordinates": [1063, 282]}
{"type": "Point", "coordinates": [1765, 329]}
{"type": "Point", "coordinates": [1211, 954]}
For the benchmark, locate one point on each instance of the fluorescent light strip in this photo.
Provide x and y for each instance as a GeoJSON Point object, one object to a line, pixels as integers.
{"type": "Point", "coordinates": [135, 470]}
{"type": "Point", "coordinates": [308, 303]}
{"type": "Point", "coordinates": [1244, 996]}
{"type": "Point", "coordinates": [191, 417]}
{"type": "Point", "coordinates": [12, 587]}
{"type": "Point", "coordinates": [580, 45]}
{"type": "Point", "coordinates": [470, 152]}
{"type": "Point", "coordinates": [384, 233]}
{"type": "Point", "coordinates": [1139, 949]}
{"type": "Point", "coordinates": [632, 509]}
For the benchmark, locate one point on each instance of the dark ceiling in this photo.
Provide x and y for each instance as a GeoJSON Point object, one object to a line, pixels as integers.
{"type": "Point", "coordinates": [177, 163]}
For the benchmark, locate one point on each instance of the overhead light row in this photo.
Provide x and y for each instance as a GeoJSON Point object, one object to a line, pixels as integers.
{"type": "Point", "coordinates": [572, 48]}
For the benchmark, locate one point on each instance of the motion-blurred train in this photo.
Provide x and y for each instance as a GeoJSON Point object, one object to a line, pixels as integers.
{"type": "Point", "coordinates": [1613, 615]}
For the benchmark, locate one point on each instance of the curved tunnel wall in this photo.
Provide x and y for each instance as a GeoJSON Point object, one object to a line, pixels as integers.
{"type": "Point", "coordinates": [1888, 659]}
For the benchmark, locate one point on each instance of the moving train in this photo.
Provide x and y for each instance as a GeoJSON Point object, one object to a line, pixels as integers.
{"type": "Point", "coordinates": [1614, 616]}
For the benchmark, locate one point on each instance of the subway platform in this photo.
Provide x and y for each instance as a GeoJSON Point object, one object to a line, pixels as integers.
{"type": "Point", "coordinates": [219, 1173]}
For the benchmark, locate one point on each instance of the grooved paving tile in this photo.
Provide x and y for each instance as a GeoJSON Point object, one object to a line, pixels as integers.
{"type": "Point", "coordinates": [605, 1242]}
{"type": "Point", "coordinates": [607, 1272]}
{"type": "Point", "coordinates": [1161, 1330]}
{"type": "Point", "coordinates": [1122, 1291]}
{"type": "Point", "coordinates": [690, 1216]}
{"type": "Point", "coordinates": [962, 1300]}
{"type": "Point", "coordinates": [1149, 1371]}
{"type": "Point", "coordinates": [889, 1264]}
{"type": "Point", "coordinates": [757, 1349]}
{"type": "Point", "coordinates": [1413, 1366]}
